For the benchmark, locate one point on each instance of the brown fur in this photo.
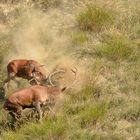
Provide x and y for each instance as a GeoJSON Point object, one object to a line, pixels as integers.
{"type": "Point", "coordinates": [31, 97]}
{"type": "Point", "coordinates": [25, 69]}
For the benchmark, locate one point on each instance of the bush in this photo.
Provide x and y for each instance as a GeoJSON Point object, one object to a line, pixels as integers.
{"type": "Point", "coordinates": [94, 18]}
{"type": "Point", "coordinates": [88, 92]}
{"type": "Point", "coordinates": [79, 38]}
{"type": "Point", "coordinates": [92, 114]}
{"type": "Point", "coordinates": [116, 47]}
{"type": "Point", "coordinates": [49, 129]}
{"type": "Point", "coordinates": [132, 113]}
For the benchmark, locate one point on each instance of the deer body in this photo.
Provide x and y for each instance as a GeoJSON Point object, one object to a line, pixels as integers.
{"type": "Point", "coordinates": [26, 69]}
{"type": "Point", "coordinates": [32, 97]}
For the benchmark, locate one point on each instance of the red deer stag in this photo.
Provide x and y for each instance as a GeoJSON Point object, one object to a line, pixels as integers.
{"type": "Point", "coordinates": [33, 97]}
{"type": "Point", "coordinates": [28, 69]}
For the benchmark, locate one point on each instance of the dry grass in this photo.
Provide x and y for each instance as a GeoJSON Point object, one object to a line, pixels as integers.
{"type": "Point", "coordinates": [94, 18]}
{"type": "Point", "coordinates": [101, 38]}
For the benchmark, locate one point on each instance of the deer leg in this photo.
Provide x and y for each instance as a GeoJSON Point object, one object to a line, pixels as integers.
{"type": "Point", "coordinates": [39, 110]}
{"type": "Point", "coordinates": [15, 112]}
{"type": "Point", "coordinates": [13, 115]}
{"type": "Point", "coordinates": [18, 111]}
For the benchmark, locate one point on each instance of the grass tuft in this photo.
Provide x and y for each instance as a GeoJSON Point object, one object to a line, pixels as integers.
{"type": "Point", "coordinates": [92, 114]}
{"type": "Point", "coordinates": [116, 47]}
{"type": "Point", "coordinates": [79, 38]}
{"type": "Point", "coordinates": [94, 18]}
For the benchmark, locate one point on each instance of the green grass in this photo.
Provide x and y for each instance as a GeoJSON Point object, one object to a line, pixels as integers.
{"type": "Point", "coordinates": [116, 47]}
{"type": "Point", "coordinates": [51, 128]}
{"type": "Point", "coordinates": [79, 38]}
{"type": "Point", "coordinates": [70, 122]}
{"type": "Point", "coordinates": [94, 18]}
{"type": "Point", "coordinates": [105, 34]}
{"type": "Point", "coordinates": [92, 114]}
{"type": "Point", "coordinates": [132, 113]}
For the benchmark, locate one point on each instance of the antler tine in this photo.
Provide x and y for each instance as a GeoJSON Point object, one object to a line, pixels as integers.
{"type": "Point", "coordinates": [75, 72]}
{"type": "Point", "coordinates": [75, 78]}
{"type": "Point", "coordinates": [55, 72]}
{"type": "Point", "coordinates": [41, 66]}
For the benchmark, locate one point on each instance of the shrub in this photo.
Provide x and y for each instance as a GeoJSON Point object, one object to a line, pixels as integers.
{"type": "Point", "coordinates": [88, 92]}
{"type": "Point", "coordinates": [132, 113]}
{"type": "Point", "coordinates": [94, 18]}
{"type": "Point", "coordinates": [80, 101]}
{"type": "Point", "coordinates": [79, 38]}
{"type": "Point", "coordinates": [92, 114]}
{"type": "Point", "coordinates": [49, 129]}
{"type": "Point", "coordinates": [116, 47]}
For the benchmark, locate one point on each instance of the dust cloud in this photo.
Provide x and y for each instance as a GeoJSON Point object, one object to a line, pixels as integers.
{"type": "Point", "coordinates": [42, 37]}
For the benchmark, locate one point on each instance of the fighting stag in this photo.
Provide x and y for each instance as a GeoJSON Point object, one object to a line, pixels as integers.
{"type": "Point", "coordinates": [30, 70]}
{"type": "Point", "coordinates": [26, 69]}
{"type": "Point", "coordinates": [35, 96]}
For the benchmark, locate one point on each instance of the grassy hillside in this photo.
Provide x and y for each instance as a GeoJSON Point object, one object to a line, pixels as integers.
{"type": "Point", "coordinates": [102, 39]}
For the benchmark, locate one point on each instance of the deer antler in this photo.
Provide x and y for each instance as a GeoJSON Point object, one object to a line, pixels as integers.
{"type": "Point", "coordinates": [41, 66]}
{"type": "Point", "coordinates": [75, 78]}
{"type": "Point", "coordinates": [52, 74]}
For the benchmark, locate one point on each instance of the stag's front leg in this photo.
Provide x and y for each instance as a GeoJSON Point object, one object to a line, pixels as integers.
{"type": "Point", "coordinates": [39, 110]}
